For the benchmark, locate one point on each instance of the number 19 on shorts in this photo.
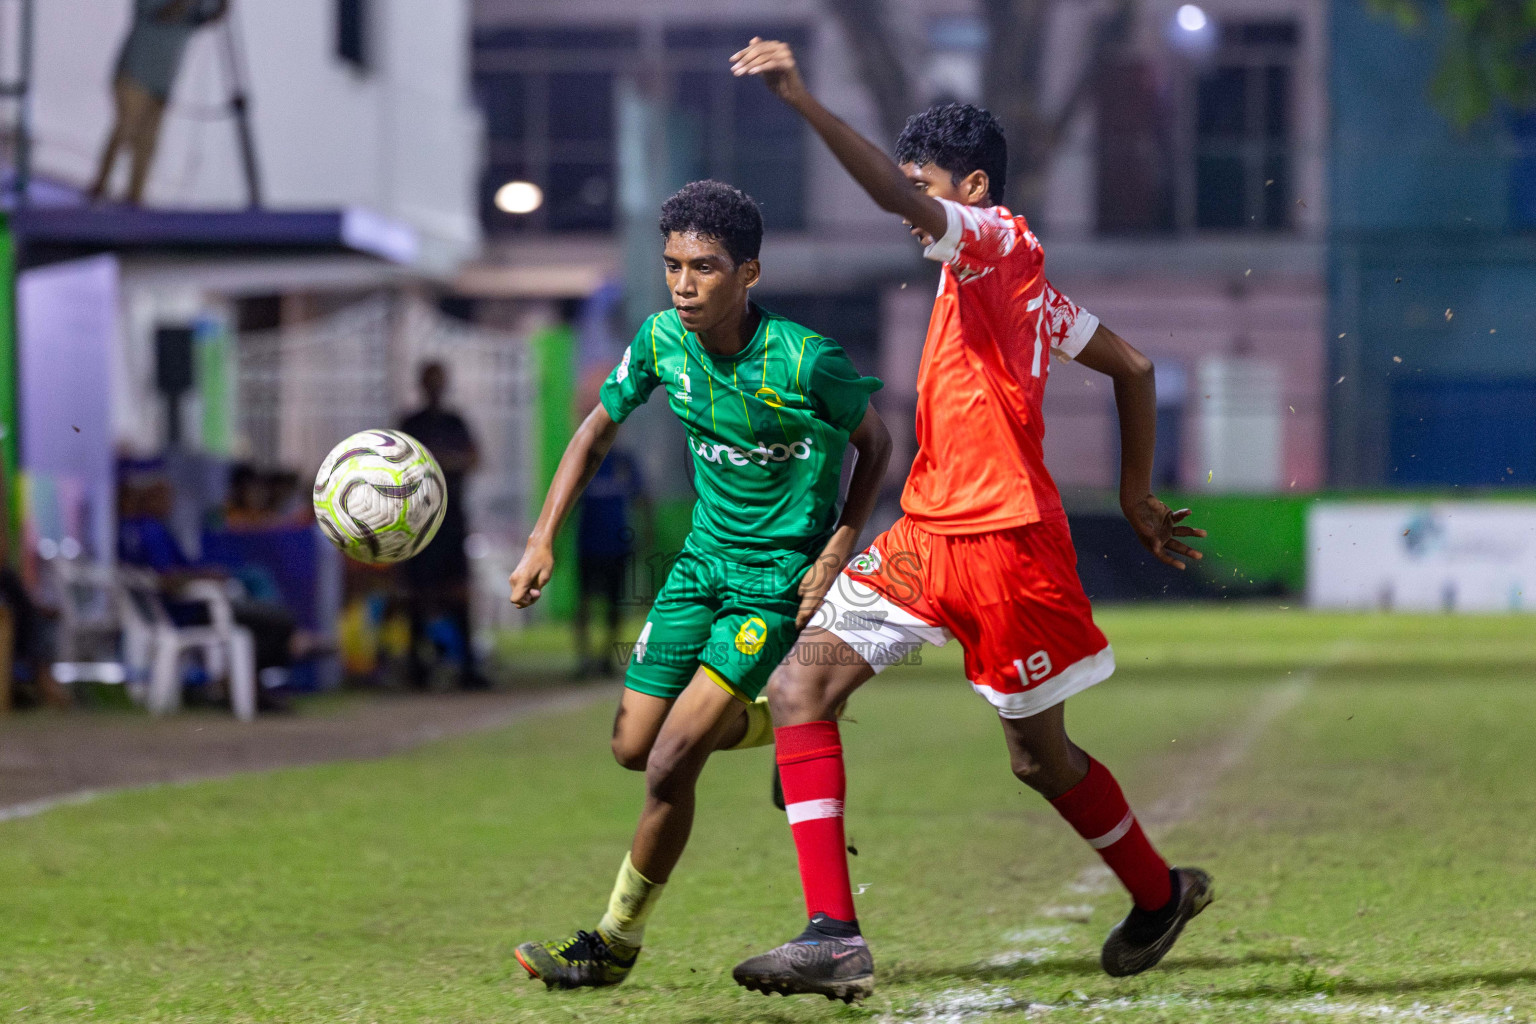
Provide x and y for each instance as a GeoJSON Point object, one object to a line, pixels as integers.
{"type": "Point", "coordinates": [1033, 668]}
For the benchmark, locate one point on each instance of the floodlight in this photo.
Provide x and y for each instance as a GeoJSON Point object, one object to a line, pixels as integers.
{"type": "Point", "coordinates": [519, 197]}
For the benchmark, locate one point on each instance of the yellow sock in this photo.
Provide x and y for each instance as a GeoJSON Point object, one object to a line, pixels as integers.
{"type": "Point", "coordinates": [629, 905]}
{"type": "Point", "coordinates": [759, 726]}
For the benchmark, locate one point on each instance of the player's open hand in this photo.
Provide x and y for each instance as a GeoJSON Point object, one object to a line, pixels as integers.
{"type": "Point", "coordinates": [1158, 529]}
{"type": "Point", "coordinates": [532, 573]}
{"type": "Point", "coordinates": [815, 583]}
{"type": "Point", "coordinates": [775, 62]}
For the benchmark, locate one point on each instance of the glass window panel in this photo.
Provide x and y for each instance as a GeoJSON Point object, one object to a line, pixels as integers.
{"type": "Point", "coordinates": [729, 38]}
{"type": "Point", "coordinates": [1265, 33]}
{"type": "Point", "coordinates": [1219, 188]}
{"type": "Point", "coordinates": [760, 114]}
{"type": "Point", "coordinates": [1277, 100]}
{"type": "Point", "coordinates": [778, 185]}
{"type": "Point", "coordinates": [618, 38]}
{"type": "Point", "coordinates": [1277, 196]}
{"type": "Point", "coordinates": [581, 106]}
{"type": "Point", "coordinates": [1222, 102]}
{"type": "Point", "coordinates": [579, 196]}
{"type": "Point", "coordinates": [502, 98]}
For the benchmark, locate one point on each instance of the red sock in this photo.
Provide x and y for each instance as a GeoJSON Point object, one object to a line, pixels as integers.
{"type": "Point", "coordinates": [810, 760]}
{"type": "Point", "coordinates": [1097, 809]}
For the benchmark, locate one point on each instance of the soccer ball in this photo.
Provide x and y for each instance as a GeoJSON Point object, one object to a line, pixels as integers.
{"type": "Point", "coordinates": [380, 496]}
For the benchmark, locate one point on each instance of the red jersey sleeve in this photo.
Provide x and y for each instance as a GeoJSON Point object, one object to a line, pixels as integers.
{"type": "Point", "coordinates": [979, 237]}
{"type": "Point", "coordinates": [1064, 324]}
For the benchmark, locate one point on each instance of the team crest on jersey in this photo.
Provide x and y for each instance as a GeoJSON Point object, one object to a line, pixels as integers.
{"type": "Point", "coordinates": [770, 397]}
{"type": "Point", "coordinates": [868, 563]}
{"type": "Point", "coordinates": [623, 371]}
{"type": "Point", "coordinates": [683, 387]}
{"type": "Point", "coordinates": [751, 636]}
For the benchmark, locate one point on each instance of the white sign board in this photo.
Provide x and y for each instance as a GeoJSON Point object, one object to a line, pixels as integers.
{"type": "Point", "coordinates": [1437, 556]}
{"type": "Point", "coordinates": [66, 326]}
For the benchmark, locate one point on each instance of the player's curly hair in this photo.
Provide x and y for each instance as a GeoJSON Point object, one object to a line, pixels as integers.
{"type": "Point", "coordinates": [960, 139]}
{"type": "Point", "coordinates": [713, 209]}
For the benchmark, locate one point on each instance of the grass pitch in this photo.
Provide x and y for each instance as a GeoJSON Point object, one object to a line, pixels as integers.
{"type": "Point", "coordinates": [1360, 786]}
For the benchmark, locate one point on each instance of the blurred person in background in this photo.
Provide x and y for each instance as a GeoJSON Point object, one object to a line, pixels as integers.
{"type": "Point", "coordinates": [31, 640]}
{"type": "Point", "coordinates": [141, 87]}
{"type": "Point", "coordinates": [605, 544]}
{"type": "Point", "coordinates": [145, 539]}
{"type": "Point", "coordinates": [437, 580]}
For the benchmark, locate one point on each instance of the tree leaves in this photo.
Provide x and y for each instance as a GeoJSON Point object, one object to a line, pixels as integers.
{"type": "Point", "coordinates": [1487, 52]}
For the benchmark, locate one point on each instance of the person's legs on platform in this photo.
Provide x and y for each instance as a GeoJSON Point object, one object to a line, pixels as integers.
{"type": "Point", "coordinates": [142, 124]}
{"type": "Point", "coordinates": [115, 141]}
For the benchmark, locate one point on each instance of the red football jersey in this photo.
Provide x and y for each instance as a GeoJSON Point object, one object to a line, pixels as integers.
{"type": "Point", "coordinates": [995, 323]}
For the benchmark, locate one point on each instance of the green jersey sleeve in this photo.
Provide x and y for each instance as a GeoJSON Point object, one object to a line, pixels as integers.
{"type": "Point", "coordinates": [838, 390]}
{"type": "Point", "coordinates": [633, 380]}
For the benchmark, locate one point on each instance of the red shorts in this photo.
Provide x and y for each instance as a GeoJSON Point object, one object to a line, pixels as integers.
{"type": "Point", "coordinates": [1012, 598]}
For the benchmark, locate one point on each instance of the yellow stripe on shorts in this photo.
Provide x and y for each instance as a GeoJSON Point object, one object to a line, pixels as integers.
{"type": "Point", "coordinates": [724, 683]}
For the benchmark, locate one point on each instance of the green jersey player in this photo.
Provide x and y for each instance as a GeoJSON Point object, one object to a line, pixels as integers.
{"type": "Point", "coordinates": [769, 409]}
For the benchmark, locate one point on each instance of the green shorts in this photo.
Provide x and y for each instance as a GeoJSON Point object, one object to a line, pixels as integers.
{"type": "Point", "coordinates": [737, 620]}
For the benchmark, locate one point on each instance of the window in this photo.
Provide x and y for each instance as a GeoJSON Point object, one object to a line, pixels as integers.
{"type": "Point", "coordinates": [1242, 175]}
{"type": "Point", "coordinates": [1522, 172]}
{"type": "Point", "coordinates": [1203, 149]}
{"type": "Point", "coordinates": [352, 32]}
{"type": "Point", "coordinates": [549, 101]}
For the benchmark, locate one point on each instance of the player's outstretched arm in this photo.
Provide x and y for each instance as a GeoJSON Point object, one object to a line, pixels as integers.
{"type": "Point", "coordinates": [872, 441]}
{"type": "Point", "coordinates": [774, 62]}
{"type": "Point", "coordinates": [1136, 402]}
{"type": "Point", "coordinates": [582, 456]}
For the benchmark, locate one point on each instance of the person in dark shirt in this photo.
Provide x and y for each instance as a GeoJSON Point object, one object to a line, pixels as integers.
{"type": "Point", "coordinates": [437, 579]}
{"type": "Point", "coordinates": [144, 540]}
{"type": "Point", "coordinates": [605, 542]}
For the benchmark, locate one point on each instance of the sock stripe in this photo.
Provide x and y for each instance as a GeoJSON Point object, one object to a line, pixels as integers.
{"type": "Point", "coordinates": [810, 810]}
{"type": "Point", "coordinates": [1115, 834]}
{"type": "Point", "coordinates": [796, 757]}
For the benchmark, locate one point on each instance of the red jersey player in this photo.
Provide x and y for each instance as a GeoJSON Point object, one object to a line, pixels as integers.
{"type": "Point", "coordinates": [982, 553]}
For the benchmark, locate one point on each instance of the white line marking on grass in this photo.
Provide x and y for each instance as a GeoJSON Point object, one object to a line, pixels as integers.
{"type": "Point", "coordinates": [1199, 773]}
{"type": "Point", "coordinates": [536, 708]}
{"type": "Point", "coordinates": [1053, 935]}
{"type": "Point", "coordinates": [958, 1005]}
{"type": "Point", "coordinates": [1014, 957]}
{"type": "Point", "coordinates": [1208, 767]}
{"type": "Point", "coordinates": [1080, 912]}
{"type": "Point", "coordinates": [31, 807]}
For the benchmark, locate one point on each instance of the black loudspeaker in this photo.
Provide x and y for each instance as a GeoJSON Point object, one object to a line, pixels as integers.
{"type": "Point", "coordinates": [173, 374]}
{"type": "Point", "coordinates": [173, 360]}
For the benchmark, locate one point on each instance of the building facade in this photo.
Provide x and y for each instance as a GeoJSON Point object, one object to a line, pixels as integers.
{"type": "Point", "coordinates": [1185, 206]}
{"type": "Point", "coordinates": [1432, 273]}
{"type": "Point", "coordinates": [353, 103]}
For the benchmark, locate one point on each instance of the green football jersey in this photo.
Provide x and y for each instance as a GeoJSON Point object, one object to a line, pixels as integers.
{"type": "Point", "coordinates": [767, 428]}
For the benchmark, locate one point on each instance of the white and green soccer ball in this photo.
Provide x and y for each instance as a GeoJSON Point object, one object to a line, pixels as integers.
{"type": "Point", "coordinates": [380, 496]}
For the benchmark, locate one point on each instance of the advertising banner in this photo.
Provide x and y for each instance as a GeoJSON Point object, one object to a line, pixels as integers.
{"type": "Point", "coordinates": [1434, 556]}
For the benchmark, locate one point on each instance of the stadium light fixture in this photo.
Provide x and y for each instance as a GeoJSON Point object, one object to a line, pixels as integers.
{"type": "Point", "coordinates": [519, 197]}
{"type": "Point", "coordinates": [1191, 18]}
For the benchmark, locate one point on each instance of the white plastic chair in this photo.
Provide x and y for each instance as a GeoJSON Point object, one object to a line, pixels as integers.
{"type": "Point", "coordinates": [84, 593]}
{"type": "Point", "coordinates": [153, 643]}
